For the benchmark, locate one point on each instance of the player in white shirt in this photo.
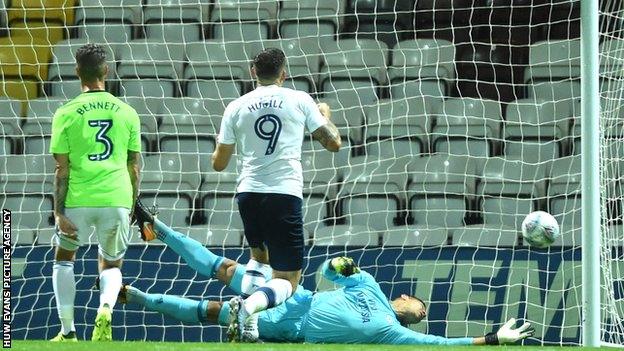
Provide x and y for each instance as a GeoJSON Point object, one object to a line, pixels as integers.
{"type": "Point", "coordinates": [268, 127]}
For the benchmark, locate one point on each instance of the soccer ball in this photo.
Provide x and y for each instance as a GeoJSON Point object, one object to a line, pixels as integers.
{"type": "Point", "coordinates": [540, 229]}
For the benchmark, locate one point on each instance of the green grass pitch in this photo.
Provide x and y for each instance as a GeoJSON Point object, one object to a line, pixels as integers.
{"type": "Point", "coordinates": [189, 346]}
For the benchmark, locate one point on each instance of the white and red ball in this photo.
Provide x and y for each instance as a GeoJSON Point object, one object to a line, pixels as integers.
{"type": "Point", "coordinates": [540, 229]}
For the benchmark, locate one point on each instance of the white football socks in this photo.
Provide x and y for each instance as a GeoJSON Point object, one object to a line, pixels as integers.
{"type": "Point", "coordinates": [110, 284]}
{"type": "Point", "coordinates": [64, 286]}
{"type": "Point", "coordinates": [271, 294]}
{"type": "Point", "coordinates": [256, 275]}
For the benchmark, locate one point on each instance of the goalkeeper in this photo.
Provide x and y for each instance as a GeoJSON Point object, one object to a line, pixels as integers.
{"type": "Point", "coordinates": [357, 313]}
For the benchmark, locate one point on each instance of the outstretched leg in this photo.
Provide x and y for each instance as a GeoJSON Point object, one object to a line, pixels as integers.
{"type": "Point", "coordinates": [179, 308]}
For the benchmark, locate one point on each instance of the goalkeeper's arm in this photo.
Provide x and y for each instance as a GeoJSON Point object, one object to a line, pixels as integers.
{"type": "Point", "coordinates": [397, 334]}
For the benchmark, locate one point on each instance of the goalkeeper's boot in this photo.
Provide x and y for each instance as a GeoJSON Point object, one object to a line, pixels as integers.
{"type": "Point", "coordinates": [145, 220]}
{"type": "Point", "coordinates": [103, 330]}
{"type": "Point", "coordinates": [69, 337]}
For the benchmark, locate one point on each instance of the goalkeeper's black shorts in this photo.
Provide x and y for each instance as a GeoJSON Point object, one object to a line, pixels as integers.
{"type": "Point", "coordinates": [274, 221]}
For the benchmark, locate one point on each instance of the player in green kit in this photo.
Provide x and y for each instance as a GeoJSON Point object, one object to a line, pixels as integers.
{"type": "Point", "coordinates": [96, 144]}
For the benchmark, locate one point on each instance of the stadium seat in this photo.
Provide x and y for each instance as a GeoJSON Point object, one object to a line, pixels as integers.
{"type": "Point", "coordinates": [24, 57]}
{"type": "Point", "coordinates": [63, 65]}
{"type": "Point", "coordinates": [345, 235]}
{"type": "Point", "coordinates": [49, 32]}
{"type": "Point", "coordinates": [387, 20]}
{"type": "Point", "coordinates": [61, 11]}
{"type": "Point", "coordinates": [422, 59]}
{"type": "Point", "coordinates": [126, 11]}
{"type": "Point", "coordinates": [348, 120]}
{"type": "Point", "coordinates": [187, 127]}
{"type": "Point", "coordinates": [23, 174]}
{"type": "Point", "coordinates": [148, 110]}
{"type": "Point", "coordinates": [315, 210]}
{"type": "Point", "coordinates": [43, 107]}
{"type": "Point", "coordinates": [174, 208]}
{"type": "Point", "coordinates": [302, 63]}
{"type": "Point", "coordinates": [377, 211]}
{"type": "Point", "coordinates": [321, 172]}
{"type": "Point", "coordinates": [19, 89]}
{"type": "Point", "coordinates": [467, 126]}
{"type": "Point", "coordinates": [10, 119]}
{"type": "Point", "coordinates": [37, 133]}
{"type": "Point", "coordinates": [6, 146]}
{"type": "Point", "coordinates": [115, 35]}
{"type": "Point", "coordinates": [564, 93]}
{"type": "Point", "coordinates": [441, 190]}
{"type": "Point", "coordinates": [394, 122]}
{"type": "Point", "coordinates": [22, 235]}
{"type": "Point", "coordinates": [151, 88]}
{"type": "Point", "coordinates": [242, 21]}
{"type": "Point", "coordinates": [354, 60]}
{"type": "Point", "coordinates": [150, 68]}
{"type": "Point", "coordinates": [214, 89]}
{"type": "Point", "coordinates": [170, 173]}
{"type": "Point", "coordinates": [415, 236]}
{"type": "Point", "coordinates": [175, 21]}
{"type": "Point", "coordinates": [313, 19]}
{"type": "Point", "coordinates": [533, 131]}
{"type": "Point", "coordinates": [10, 108]}
{"type": "Point", "coordinates": [510, 189]}
{"type": "Point", "coordinates": [215, 235]}
{"type": "Point", "coordinates": [45, 236]}
{"type": "Point", "coordinates": [66, 89]}
{"type": "Point", "coordinates": [214, 59]}
{"type": "Point", "coordinates": [554, 60]}
{"type": "Point", "coordinates": [564, 197]}
{"type": "Point", "coordinates": [479, 235]}
{"type": "Point", "coordinates": [411, 88]}
{"type": "Point", "coordinates": [222, 209]}
{"type": "Point", "coordinates": [29, 210]}
{"type": "Point", "coordinates": [372, 192]}
{"type": "Point", "coordinates": [350, 93]}
{"type": "Point", "coordinates": [611, 58]}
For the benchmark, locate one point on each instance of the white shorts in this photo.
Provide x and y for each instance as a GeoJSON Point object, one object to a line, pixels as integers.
{"type": "Point", "coordinates": [112, 229]}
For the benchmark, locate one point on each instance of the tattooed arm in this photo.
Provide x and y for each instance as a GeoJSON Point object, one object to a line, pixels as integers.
{"type": "Point", "coordinates": [61, 184]}
{"type": "Point", "coordinates": [327, 134]}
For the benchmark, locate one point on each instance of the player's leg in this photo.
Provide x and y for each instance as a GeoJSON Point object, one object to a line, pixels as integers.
{"type": "Point", "coordinates": [63, 280]}
{"type": "Point", "coordinates": [250, 206]}
{"type": "Point", "coordinates": [281, 225]}
{"type": "Point", "coordinates": [179, 308]}
{"type": "Point", "coordinates": [112, 229]}
{"type": "Point", "coordinates": [196, 255]}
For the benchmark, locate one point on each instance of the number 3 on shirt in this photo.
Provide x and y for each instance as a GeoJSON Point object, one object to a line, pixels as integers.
{"type": "Point", "coordinates": [101, 137]}
{"type": "Point", "coordinates": [268, 127]}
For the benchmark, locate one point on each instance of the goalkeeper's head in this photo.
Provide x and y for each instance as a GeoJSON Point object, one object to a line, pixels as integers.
{"type": "Point", "coordinates": [91, 64]}
{"type": "Point", "coordinates": [269, 67]}
{"type": "Point", "coordinates": [409, 309]}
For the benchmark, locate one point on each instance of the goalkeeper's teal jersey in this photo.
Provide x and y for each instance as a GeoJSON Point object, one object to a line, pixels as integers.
{"type": "Point", "coordinates": [358, 313]}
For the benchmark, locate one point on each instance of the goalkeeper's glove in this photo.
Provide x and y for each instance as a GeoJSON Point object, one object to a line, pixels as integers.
{"type": "Point", "coordinates": [507, 335]}
{"type": "Point", "coordinates": [344, 265]}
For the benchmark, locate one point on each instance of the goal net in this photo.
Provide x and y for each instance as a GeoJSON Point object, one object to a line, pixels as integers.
{"type": "Point", "coordinates": [458, 118]}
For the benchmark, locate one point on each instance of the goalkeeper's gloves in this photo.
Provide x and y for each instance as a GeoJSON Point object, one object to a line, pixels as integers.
{"type": "Point", "coordinates": [508, 335]}
{"type": "Point", "coordinates": [344, 265]}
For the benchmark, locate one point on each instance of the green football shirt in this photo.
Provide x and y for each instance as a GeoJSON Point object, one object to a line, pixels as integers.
{"type": "Point", "coordinates": [96, 130]}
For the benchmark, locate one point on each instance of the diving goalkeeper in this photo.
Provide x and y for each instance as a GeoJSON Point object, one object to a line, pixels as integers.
{"type": "Point", "coordinates": [357, 313]}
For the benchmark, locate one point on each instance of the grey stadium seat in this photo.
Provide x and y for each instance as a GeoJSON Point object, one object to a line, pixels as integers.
{"type": "Point", "coordinates": [467, 126]}
{"type": "Point", "coordinates": [482, 235]}
{"type": "Point", "coordinates": [222, 209]}
{"type": "Point", "coordinates": [243, 21]}
{"type": "Point", "coordinates": [215, 235]}
{"type": "Point", "coordinates": [552, 60]}
{"type": "Point", "coordinates": [317, 19]}
{"type": "Point", "coordinates": [533, 132]}
{"type": "Point", "coordinates": [441, 188]}
{"type": "Point", "coordinates": [64, 89]}
{"type": "Point", "coordinates": [214, 59]}
{"type": "Point", "coordinates": [509, 190]}
{"type": "Point", "coordinates": [346, 235]}
{"type": "Point", "coordinates": [29, 211]}
{"type": "Point", "coordinates": [107, 21]}
{"type": "Point", "coordinates": [63, 65]}
{"type": "Point", "coordinates": [303, 63]}
{"type": "Point", "coordinates": [175, 21]}
{"type": "Point", "coordinates": [415, 236]}
{"type": "Point", "coordinates": [37, 134]}
{"type": "Point", "coordinates": [27, 174]}
{"type": "Point", "coordinates": [401, 125]}
{"type": "Point", "coordinates": [564, 194]}
{"type": "Point", "coordinates": [151, 59]}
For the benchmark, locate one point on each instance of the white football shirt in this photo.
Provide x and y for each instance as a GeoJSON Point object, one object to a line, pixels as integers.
{"type": "Point", "coordinates": [268, 126]}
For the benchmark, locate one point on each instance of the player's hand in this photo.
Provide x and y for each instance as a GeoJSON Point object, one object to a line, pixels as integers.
{"type": "Point", "coordinates": [344, 265]}
{"type": "Point", "coordinates": [66, 226]}
{"type": "Point", "coordinates": [508, 335]}
{"type": "Point", "coordinates": [324, 108]}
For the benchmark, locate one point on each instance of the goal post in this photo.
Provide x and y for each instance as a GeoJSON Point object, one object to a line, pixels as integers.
{"type": "Point", "coordinates": [590, 172]}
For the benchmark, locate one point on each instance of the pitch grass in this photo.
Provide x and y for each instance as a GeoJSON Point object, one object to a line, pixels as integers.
{"type": "Point", "coordinates": [209, 346]}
